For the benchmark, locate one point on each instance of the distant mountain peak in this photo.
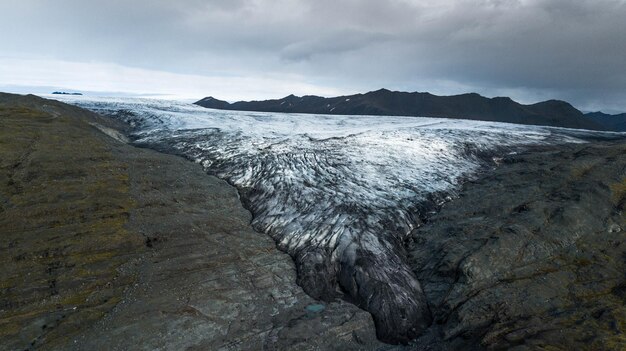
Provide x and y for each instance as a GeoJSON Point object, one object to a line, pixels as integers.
{"type": "Point", "coordinates": [211, 102]}
{"type": "Point", "coordinates": [607, 121]}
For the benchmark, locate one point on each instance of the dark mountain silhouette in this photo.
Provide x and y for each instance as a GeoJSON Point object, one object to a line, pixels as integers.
{"type": "Point", "coordinates": [610, 122]}
{"type": "Point", "coordinates": [394, 103]}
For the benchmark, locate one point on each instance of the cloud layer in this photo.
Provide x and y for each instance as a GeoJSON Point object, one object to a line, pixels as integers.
{"type": "Point", "coordinates": [530, 49]}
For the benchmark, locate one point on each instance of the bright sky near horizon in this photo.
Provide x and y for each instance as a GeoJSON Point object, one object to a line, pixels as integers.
{"type": "Point", "coordinates": [531, 50]}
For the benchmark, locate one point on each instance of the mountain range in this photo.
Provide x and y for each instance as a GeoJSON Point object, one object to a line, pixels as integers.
{"type": "Point", "coordinates": [465, 106]}
{"type": "Point", "coordinates": [615, 123]}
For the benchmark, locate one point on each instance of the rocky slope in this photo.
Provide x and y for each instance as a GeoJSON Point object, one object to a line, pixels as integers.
{"type": "Point", "coordinates": [393, 103]}
{"type": "Point", "coordinates": [107, 246]}
{"type": "Point", "coordinates": [65, 202]}
{"type": "Point", "coordinates": [531, 257]}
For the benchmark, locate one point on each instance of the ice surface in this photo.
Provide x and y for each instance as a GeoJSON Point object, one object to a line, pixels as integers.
{"type": "Point", "coordinates": [340, 194]}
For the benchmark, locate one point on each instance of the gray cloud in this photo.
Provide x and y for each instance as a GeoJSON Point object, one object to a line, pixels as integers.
{"type": "Point", "coordinates": [573, 50]}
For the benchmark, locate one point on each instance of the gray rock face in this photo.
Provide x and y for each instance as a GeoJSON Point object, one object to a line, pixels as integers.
{"type": "Point", "coordinates": [210, 282]}
{"type": "Point", "coordinates": [532, 256]}
{"type": "Point", "coordinates": [150, 253]}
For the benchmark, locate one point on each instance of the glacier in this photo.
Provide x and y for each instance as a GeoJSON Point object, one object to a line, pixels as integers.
{"type": "Point", "coordinates": [340, 194]}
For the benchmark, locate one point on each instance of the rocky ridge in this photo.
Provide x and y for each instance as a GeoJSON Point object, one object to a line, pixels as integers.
{"type": "Point", "coordinates": [531, 256]}
{"type": "Point", "coordinates": [110, 246]}
{"type": "Point", "coordinates": [395, 103]}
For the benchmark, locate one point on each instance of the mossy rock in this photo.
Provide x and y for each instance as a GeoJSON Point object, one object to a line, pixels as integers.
{"type": "Point", "coordinates": [64, 205]}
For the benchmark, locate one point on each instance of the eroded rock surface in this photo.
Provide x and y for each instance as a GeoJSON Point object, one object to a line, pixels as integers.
{"type": "Point", "coordinates": [532, 256]}
{"type": "Point", "coordinates": [209, 281]}
{"type": "Point", "coordinates": [107, 246]}
{"type": "Point", "coordinates": [65, 203]}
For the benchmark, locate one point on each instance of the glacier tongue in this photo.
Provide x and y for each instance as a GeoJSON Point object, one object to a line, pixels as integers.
{"type": "Point", "coordinates": [340, 194]}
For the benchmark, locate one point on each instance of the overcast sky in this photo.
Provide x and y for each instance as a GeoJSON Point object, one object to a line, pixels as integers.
{"type": "Point", "coordinates": [255, 49]}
